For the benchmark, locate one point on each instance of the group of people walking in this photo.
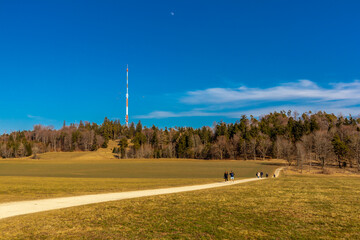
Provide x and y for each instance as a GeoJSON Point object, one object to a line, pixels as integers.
{"type": "Point", "coordinates": [261, 174]}
{"type": "Point", "coordinates": [227, 175]}
{"type": "Point", "coordinates": [231, 175]}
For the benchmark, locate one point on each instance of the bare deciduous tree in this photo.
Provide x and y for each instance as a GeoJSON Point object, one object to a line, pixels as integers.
{"type": "Point", "coordinates": [322, 147]}
{"type": "Point", "coordinates": [233, 146]}
{"type": "Point", "coordinates": [252, 145]}
{"type": "Point", "coordinates": [355, 148]}
{"type": "Point", "coordinates": [220, 147]}
{"type": "Point", "coordinates": [264, 144]}
{"type": "Point", "coordinates": [285, 149]}
{"type": "Point", "coordinates": [308, 143]}
{"type": "Point", "coordinates": [300, 155]}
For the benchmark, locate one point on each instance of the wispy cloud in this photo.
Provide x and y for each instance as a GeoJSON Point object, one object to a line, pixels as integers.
{"type": "Point", "coordinates": [166, 114]}
{"type": "Point", "coordinates": [40, 119]}
{"type": "Point", "coordinates": [303, 89]}
{"type": "Point", "coordinates": [302, 95]}
{"type": "Point", "coordinates": [34, 117]}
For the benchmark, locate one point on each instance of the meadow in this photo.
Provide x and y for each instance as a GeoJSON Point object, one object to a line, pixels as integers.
{"type": "Point", "coordinates": [86, 165]}
{"type": "Point", "coordinates": [294, 206]}
{"type": "Point", "coordinates": [289, 207]}
{"type": "Point", "coordinates": [80, 173]}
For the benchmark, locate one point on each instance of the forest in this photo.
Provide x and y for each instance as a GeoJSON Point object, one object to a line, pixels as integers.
{"type": "Point", "coordinates": [320, 138]}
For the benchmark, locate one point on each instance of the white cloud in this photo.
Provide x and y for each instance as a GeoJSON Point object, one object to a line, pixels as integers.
{"type": "Point", "coordinates": [41, 119]}
{"type": "Point", "coordinates": [303, 89]}
{"type": "Point", "coordinates": [302, 96]}
{"type": "Point", "coordinates": [34, 117]}
{"type": "Point", "coordinates": [166, 114]}
{"type": "Point", "coordinates": [255, 112]}
{"type": "Point", "coordinates": [157, 114]}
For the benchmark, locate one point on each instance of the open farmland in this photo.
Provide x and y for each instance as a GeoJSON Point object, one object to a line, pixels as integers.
{"type": "Point", "coordinates": [85, 165]}
{"type": "Point", "coordinates": [80, 173]}
{"type": "Point", "coordinates": [289, 207]}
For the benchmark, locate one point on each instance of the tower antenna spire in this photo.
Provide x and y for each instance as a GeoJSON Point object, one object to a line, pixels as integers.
{"type": "Point", "coordinates": [127, 96]}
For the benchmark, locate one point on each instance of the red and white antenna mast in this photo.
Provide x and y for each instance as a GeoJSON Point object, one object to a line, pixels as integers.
{"type": "Point", "coordinates": [127, 96]}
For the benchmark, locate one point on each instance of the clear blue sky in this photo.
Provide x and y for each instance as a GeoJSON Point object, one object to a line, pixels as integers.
{"type": "Point", "coordinates": [190, 62]}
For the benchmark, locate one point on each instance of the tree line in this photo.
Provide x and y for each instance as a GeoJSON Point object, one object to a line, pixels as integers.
{"type": "Point", "coordinates": [319, 138]}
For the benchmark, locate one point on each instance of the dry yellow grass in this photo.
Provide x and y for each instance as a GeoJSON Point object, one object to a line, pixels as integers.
{"type": "Point", "coordinates": [290, 207]}
{"type": "Point", "coordinates": [77, 173]}
{"type": "Point", "coordinates": [328, 170]}
{"type": "Point", "coordinates": [29, 188]}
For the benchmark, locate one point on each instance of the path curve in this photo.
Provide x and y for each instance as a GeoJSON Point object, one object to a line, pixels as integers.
{"type": "Point", "coordinates": [12, 209]}
{"type": "Point", "coordinates": [277, 171]}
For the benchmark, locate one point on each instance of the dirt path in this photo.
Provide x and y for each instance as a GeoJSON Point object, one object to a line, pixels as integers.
{"type": "Point", "coordinates": [25, 207]}
{"type": "Point", "coordinates": [277, 171]}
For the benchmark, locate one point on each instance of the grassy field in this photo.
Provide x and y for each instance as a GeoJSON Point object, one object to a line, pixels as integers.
{"type": "Point", "coordinates": [79, 173]}
{"type": "Point", "coordinates": [28, 188]}
{"type": "Point", "coordinates": [92, 165]}
{"type": "Point", "coordinates": [290, 207]}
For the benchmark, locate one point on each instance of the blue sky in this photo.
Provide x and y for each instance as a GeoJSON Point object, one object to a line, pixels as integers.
{"type": "Point", "coordinates": [190, 62]}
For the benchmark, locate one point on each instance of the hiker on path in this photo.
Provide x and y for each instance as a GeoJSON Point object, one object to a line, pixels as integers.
{"type": "Point", "coordinates": [226, 176]}
{"type": "Point", "coordinates": [257, 174]}
{"type": "Point", "coordinates": [267, 175]}
{"type": "Point", "coordinates": [232, 174]}
{"type": "Point", "coordinates": [261, 174]}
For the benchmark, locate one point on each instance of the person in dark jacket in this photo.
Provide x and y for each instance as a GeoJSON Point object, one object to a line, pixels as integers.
{"type": "Point", "coordinates": [232, 174]}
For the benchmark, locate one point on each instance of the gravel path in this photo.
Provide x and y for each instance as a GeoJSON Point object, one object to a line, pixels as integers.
{"type": "Point", "coordinates": [25, 207]}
